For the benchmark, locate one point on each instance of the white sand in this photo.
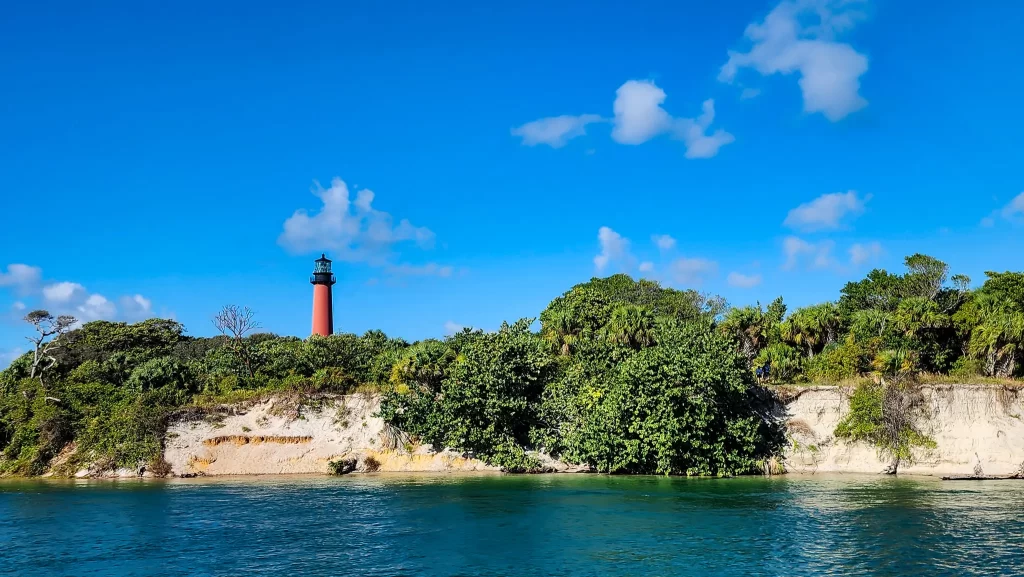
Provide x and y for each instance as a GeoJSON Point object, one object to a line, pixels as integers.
{"type": "Point", "coordinates": [269, 438]}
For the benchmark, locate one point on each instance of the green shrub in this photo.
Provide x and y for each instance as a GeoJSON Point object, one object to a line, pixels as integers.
{"type": "Point", "coordinates": [837, 362]}
{"type": "Point", "coordinates": [886, 415]}
{"type": "Point", "coordinates": [687, 405]}
{"type": "Point", "coordinates": [967, 368]}
{"type": "Point", "coordinates": [787, 363]}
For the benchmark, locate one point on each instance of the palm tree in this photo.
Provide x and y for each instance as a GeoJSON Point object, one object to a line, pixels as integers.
{"type": "Point", "coordinates": [871, 322]}
{"type": "Point", "coordinates": [813, 328]}
{"type": "Point", "coordinates": [562, 331]}
{"type": "Point", "coordinates": [747, 326]}
{"type": "Point", "coordinates": [632, 326]}
{"type": "Point", "coordinates": [998, 338]}
{"type": "Point", "coordinates": [915, 314]}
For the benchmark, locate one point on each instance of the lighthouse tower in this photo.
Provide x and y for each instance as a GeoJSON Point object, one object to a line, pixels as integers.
{"type": "Point", "coordinates": [323, 302]}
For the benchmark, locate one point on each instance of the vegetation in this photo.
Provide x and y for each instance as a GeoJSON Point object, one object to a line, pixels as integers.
{"type": "Point", "coordinates": [623, 375]}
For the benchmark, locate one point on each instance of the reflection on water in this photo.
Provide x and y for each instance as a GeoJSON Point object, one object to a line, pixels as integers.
{"type": "Point", "coordinates": [513, 525]}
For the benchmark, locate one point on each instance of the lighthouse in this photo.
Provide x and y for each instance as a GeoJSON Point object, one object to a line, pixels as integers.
{"type": "Point", "coordinates": [323, 302]}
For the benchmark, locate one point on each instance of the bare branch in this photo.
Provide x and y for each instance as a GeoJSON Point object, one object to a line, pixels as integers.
{"type": "Point", "coordinates": [236, 322]}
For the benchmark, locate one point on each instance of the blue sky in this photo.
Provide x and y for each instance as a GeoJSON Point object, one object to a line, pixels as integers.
{"type": "Point", "coordinates": [155, 157]}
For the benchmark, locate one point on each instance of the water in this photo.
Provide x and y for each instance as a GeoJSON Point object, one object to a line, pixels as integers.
{"type": "Point", "coordinates": [513, 525]}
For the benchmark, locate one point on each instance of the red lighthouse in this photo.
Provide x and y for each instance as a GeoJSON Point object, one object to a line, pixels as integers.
{"type": "Point", "coordinates": [323, 302]}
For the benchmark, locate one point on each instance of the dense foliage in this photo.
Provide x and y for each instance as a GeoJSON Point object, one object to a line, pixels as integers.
{"type": "Point", "coordinates": [932, 320]}
{"type": "Point", "coordinates": [112, 386]}
{"type": "Point", "coordinates": [623, 375]}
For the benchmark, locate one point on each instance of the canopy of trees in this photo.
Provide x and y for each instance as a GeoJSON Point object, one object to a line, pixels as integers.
{"type": "Point", "coordinates": [626, 376]}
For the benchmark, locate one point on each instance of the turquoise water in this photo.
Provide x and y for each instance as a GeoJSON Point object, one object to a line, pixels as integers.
{"type": "Point", "coordinates": [513, 525]}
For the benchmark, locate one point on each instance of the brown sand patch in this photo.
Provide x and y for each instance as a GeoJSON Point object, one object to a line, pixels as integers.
{"type": "Point", "coordinates": [239, 440]}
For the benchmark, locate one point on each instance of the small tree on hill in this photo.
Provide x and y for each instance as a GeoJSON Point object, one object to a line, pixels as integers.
{"type": "Point", "coordinates": [46, 341]}
{"type": "Point", "coordinates": [235, 323]}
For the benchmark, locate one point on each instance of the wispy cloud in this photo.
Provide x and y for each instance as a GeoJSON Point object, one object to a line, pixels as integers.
{"type": "Point", "coordinates": [24, 279]}
{"type": "Point", "coordinates": [741, 280]}
{"type": "Point", "coordinates": [799, 252]}
{"type": "Point", "coordinates": [865, 253]}
{"type": "Point", "coordinates": [801, 36]}
{"type": "Point", "coordinates": [1015, 209]}
{"type": "Point", "coordinates": [616, 255]}
{"type": "Point", "coordinates": [450, 328]}
{"type": "Point", "coordinates": [428, 269]}
{"type": "Point", "coordinates": [691, 271]}
{"type": "Point", "coordinates": [555, 131]}
{"type": "Point", "coordinates": [827, 212]}
{"type": "Point", "coordinates": [663, 241]}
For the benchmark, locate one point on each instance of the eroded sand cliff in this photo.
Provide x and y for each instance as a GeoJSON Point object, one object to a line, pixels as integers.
{"type": "Point", "coordinates": [976, 429]}
{"type": "Point", "coordinates": [278, 437]}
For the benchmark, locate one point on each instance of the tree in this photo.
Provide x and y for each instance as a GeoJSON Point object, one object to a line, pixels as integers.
{"type": "Point", "coordinates": [235, 323]}
{"type": "Point", "coordinates": [925, 276]}
{"type": "Point", "coordinates": [813, 328]}
{"type": "Point", "coordinates": [879, 290]}
{"type": "Point", "coordinates": [998, 337]}
{"type": "Point", "coordinates": [753, 328]}
{"type": "Point", "coordinates": [47, 339]}
{"type": "Point", "coordinates": [684, 406]}
{"type": "Point", "coordinates": [915, 314]}
{"type": "Point", "coordinates": [631, 326]}
{"type": "Point", "coordinates": [569, 317]}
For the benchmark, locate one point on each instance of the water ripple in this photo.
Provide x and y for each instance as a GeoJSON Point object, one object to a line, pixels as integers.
{"type": "Point", "coordinates": [530, 525]}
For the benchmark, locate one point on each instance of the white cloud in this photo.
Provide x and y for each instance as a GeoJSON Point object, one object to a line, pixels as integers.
{"type": "Point", "coordinates": [743, 281]}
{"type": "Point", "coordinates": [826, 212]}
{"type": "Point", "coordinates": [350, 227]}
{"type": "Point", "coordinates": [799, 251]}
{"type": "Point", "coordinates": [71, 298]}
{"type": "Point", "coordinates": [22, 277]}
{"type": "Point", "coordinates": [450, 328]}
{"type": "Point", "coordinates": [663, 241]}
{"type": "Point", "coordinates": [864, 253]}
{"type": "Point", "coordinates": [749, 93]}
{"type": "Point", "coordinates": [616, 254]}
{"type": "Point", "coordinates": [693, 133]}
{"type": "Point", "coordinates": [136, 307]}
{"type": "Point", "coordinates": [788, 41]}
{"type": "Point", "coordinates": [64, 292]}
{"type": "Point", "coordinates": [96, 307]}
{"type": "Point", "coordinates": [1015, 209]}
{"type": "Point", "coordinates": [691, 271]}
{"type": "Point", "coordinates": [429, 269]}
{"type": "Point", "coordinates": [639, 116]}
{"type": "Point", "coordinates": [988, 222]}
{"type": "Point", "coordinates": [555, 131]}
{"type": "Point", "coordinates": [614, 250]}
